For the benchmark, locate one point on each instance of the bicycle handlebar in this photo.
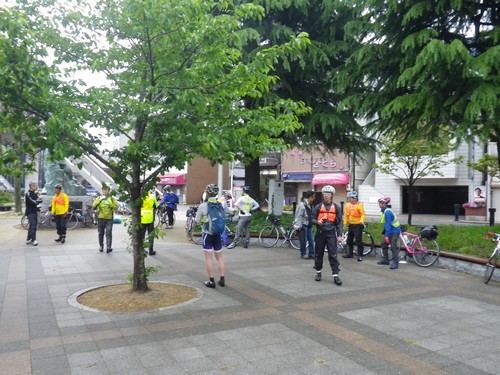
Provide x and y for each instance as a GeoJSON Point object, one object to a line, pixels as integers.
{"type": "Point", "coordinates": [496, 235]}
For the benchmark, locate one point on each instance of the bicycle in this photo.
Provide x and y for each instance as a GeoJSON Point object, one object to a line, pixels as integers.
{"type": "Point", "coordinates": [190, 215]}
{"type": "Point", "coordinates": [87, 217]}
{"type": "Point", "coordinates": [270, 235]}
{"type": "Point", "coordinates": [161, 218]}
{"type": "Point", "coordinates": [368, 242]}
{"type": "Point", "coordinates": [424, 249]}
{"type": "Point", "coordinates": [44, 218]}
{"type": "Point", "coordinates": [491, 264]}
{"type": "Point", "coordinates": [196, 230]}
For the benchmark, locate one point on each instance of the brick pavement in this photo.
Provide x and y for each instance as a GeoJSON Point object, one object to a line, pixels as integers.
{"type": "Point", "coordinates": [271, 318]}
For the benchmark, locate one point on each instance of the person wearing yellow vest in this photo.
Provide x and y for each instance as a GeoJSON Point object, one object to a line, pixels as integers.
{"type": "Point", "coordinates": [106, 205]}
{"type": "Point", "coordinates": [391, 232]}
{"type": "Point", "coordinates": [60, 207]}
{"type": "Point", "coordinates": [149, 205]}
{"type": "Point", "coordinates": [354, 220]}
{"type": "Point", "coordinates": [327, 216]}
{"type": "Point", "coordinates": [246, 205]}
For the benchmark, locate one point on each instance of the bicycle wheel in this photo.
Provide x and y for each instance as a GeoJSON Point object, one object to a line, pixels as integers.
{"type": "Point", "coordinates": [25, 222]}
{"type": "Point", "coordinates": [72, 221]}
{"type": "Point", "coordinates": [196, 232]}
{"type": "Point", "coordinates": [294, 239]}
{"type": "Point", "coordinates": [269, 236]}
{"type": "Point", "coordinates": [341, 246]}
{"type": "Point", "coordinates": [426, 252]}
{"type": "Point", "coordinates": [368, 243]}
{"type": "Point", "coordinates": [490, 266]}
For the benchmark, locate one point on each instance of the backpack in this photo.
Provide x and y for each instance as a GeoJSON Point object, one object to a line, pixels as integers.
{"type": "Point", "coordinates": [216, 218]}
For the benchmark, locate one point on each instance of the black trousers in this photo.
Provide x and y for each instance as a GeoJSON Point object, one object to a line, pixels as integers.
{"type": "Point", "coordinates": [328, 240]}
{"type": "Point", "coordinates": [61, 225]}
{"type": "Point", "coordinates": [355, 236]}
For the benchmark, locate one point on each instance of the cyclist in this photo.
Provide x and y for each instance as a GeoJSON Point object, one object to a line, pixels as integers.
{"type": "Point", "coordinates": [212, 243]}
{"type": "Point", "coordinates": [391, 232]}
{"type": "Point", "coordinates": [246, 205]}
{"type": "Point", "coordinates": [170, 200]}
{"type": "Point", "coordinates": [303, 216]}
{"type": "Point", "coordinates": [354, 220]}
{"type": "Point", "coordinates": [328, 218]}
{"type": "Point", "coordinates": [106, 205]}
{"type": "Point", "coordinates": [60, 207]}
{"type": "Point", "coordinates": [149, 205]}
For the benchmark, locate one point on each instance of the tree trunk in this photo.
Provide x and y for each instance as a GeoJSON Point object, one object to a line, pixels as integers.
{"type": "Point", "coordinates": [410, 203]}
{"type": "Point", "coordinates": [140, 276]}
{"type": "Point", "coordinates": [252, 179]}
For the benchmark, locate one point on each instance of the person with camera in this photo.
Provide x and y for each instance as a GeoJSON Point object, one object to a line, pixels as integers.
{"type": "Point", "coordinates": [327, 216]}
{"type": "Point", "coordinates": [32, 200]}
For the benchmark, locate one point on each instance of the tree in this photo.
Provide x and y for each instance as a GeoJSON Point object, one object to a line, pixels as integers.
{"type": "Point", "coordinates": [410, 161]}
{"type": "Point", "coordinates": [425, 67]}
{"type": "Point", "coordinates": [174, 86]}
{"type": "Point", "coordinates": [309, 79]}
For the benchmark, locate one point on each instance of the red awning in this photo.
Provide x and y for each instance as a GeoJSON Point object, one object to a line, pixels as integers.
{"type": "Point", "coordinates": [173, 179]}
{"type": "Point", "coordinates": [341, 178]}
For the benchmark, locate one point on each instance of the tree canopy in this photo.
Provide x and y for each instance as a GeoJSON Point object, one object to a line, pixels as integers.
{"type": "Point", "coordinates": [425, 67]}
{"type": "Point", "coordinates": [174, 86]}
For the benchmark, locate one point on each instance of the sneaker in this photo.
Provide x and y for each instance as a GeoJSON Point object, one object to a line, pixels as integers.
{"type": "Point", "coordinates": [337, 280]}
{"type": "Point", "coordinates": [63, 240]}
{"type": "Point", "coordinates": [303, 257]}
{"type": "Point", "coordinates": [383, 262]}
{"type": "Point", "coordinates": [100, 249]}
{"type": "Point", "coordinates": [310, 257]}
{"type": "Point", "coordinates": [35, 243]}
{"type": "Point", "coordinates": [109, 250]}
{"type": "Point", "coordinates": [152, 252]}
{"type": "Point", "coordinates": [210, 284]}
{"type": "Point", "coordinates": [58, 239]}
{"type": "Point", "coordinates": [394, 266]}
{"type": "Point", "coordinates": [360, 259]}
{"type": "Point", "coordinates": [231, 245]}
{"type": "Point", "coordinates": [318, 276]}
{"type": "Point", "coordinates": [245, 245]}
{"type": "Point", "coordinates": [222, 282]}
{"type": "Point", "coordinates": [347, 256]}
{"type": "Point", "coordinates": [29, 242]}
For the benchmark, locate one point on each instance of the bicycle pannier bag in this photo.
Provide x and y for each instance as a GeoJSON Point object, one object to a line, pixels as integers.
{"type": "Point", "coordinates": [429, 232]}
{"type": "Point", "coordinates": [216, 219]}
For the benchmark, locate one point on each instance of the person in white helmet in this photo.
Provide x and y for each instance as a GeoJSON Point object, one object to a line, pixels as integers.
{"type": "Point", "coordinates": [327, 216]}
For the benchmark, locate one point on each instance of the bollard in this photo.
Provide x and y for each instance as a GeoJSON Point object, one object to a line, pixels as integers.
{"type": "Point", "coordinates": [492, 216]}
{"type": "Point", "coordinates": [457, 210]}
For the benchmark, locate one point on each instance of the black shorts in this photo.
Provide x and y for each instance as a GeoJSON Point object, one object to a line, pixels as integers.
{"type": "Point", "coordinates": [212, 242]}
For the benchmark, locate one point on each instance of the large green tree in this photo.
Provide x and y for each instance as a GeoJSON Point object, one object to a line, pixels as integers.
{"type": "Point", "coordinates": [175, 84]}
{"type": "Point", "coordinates": [309, 79]}
{"type": "Point", "coordinates": [422, 67]}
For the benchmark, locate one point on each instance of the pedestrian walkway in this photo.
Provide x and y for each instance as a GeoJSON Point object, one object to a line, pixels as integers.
{"type": "Point", "coordinates": [271, 318]}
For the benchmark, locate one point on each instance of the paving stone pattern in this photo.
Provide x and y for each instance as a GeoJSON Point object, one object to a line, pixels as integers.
{"type": "Point", "coordinates": [271, 318]}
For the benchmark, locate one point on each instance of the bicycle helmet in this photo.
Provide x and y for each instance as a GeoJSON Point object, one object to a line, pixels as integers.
{"type": "Point", "coordinates": [58, 186]}
{"type": "Point", "coordinates": [384, 200]}
{"type": "Point", "coordinates": [166, 188]}
{"type": "Point", "coordinates": [328, 189]}
{"type": "Point", "coordinates": [246, 189]}
{"type": "Point", "coordinates": [212, 190]}
{"type": "Point", "coordinates": [352, 194]}
{"type": "Point", "coordinates": [227, 194]}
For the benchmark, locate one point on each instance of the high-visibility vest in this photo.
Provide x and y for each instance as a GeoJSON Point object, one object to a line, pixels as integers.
{"type": "Point", "coordinates": [147, 211]}
{"type": "Point", "coordinates": [330, 215]}
{"type": "Point", "coordinates": [395, 222]}
{"type": "Point", "coordinates": [60, 204]}
{"type": "Point", "coordinates": [354, 212]}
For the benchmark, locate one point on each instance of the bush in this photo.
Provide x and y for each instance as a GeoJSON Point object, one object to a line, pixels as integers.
{"type": "Point", "coordinates": [6, 197]}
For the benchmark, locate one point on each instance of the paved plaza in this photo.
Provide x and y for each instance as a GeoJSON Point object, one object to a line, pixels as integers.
{"type": "Point", "coordinates": [271, 318]}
